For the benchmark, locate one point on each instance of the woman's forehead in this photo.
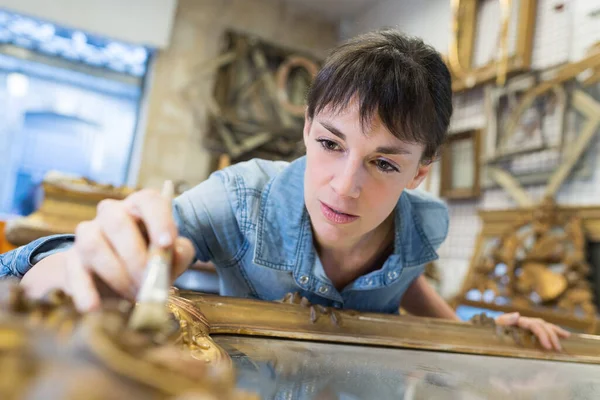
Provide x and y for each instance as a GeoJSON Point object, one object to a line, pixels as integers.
{"type": "Point", "coordinates": [348, 121]}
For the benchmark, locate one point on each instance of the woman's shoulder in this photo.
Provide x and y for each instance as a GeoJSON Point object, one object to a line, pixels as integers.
{"type": "Point", "coordinates": [253, 174]}
{"type": "Point", "coordinates": [247, 184]}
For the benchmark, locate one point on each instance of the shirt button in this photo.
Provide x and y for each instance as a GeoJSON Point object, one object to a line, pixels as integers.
{"type": "Point", "coordinates": [393, 275]}
{"type": "Point", "coordinates": [323, 289]}
{"type": "Point", "coordinates": [304, 279]}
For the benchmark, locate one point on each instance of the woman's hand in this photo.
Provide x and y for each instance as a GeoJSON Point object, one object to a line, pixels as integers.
{"type": "Point", "coordinates": [548, 334]}
{"type": "Point", "coordinates": [111, 251]}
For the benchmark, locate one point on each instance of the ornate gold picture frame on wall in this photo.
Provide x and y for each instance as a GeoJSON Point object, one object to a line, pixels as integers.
{"type": "Point", "coordinates": [460, 165]}
{"type": "Point", "coordinates": [533, 260]}
{"type": "Point", "coordinates": [512, 25]}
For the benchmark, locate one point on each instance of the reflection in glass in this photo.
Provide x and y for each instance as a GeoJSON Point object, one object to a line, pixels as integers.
{"type": "Point", "coordinates": [288, 369]}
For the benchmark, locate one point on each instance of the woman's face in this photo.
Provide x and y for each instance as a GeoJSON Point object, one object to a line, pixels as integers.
{"type": "Point", "coordinates": [354, 179]}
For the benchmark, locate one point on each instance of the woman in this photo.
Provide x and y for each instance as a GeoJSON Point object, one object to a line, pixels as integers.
{"type": "Point", "coordinates": [341, 225]}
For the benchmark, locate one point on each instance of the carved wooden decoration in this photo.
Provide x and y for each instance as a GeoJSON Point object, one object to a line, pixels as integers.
{"type": "Point", "coordinates": [50, 351]}
{"type": "Point", "coordinates": [534, 261]}
{"type": "Point", "coordinates": [516, 16]}
{"type": "Point", "coordinates": [228, 315]}
{"type": "Point", "coordinates": [67, 202]}
{"type": "Point", "coordinates": [257, 108]}
{"type": "Point", "coordinates": [460, 166]}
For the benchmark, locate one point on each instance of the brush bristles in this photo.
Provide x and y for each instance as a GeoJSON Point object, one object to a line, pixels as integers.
{"type": "Point", "coordinates": [149, 316]}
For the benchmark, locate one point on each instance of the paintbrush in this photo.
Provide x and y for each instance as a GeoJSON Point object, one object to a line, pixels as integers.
{"type": "Point", "coordinates": [150, 312]}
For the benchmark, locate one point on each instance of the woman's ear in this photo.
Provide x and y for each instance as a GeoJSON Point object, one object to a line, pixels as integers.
{"type": "Point", "coordinates": [422, 172]}
{"type": "Point", "coordinates": [307, 125]}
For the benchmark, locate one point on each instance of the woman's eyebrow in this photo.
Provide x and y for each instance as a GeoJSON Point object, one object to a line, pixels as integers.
{"type": "Point", "coordinates": [381, 149]}
{"type": "Point", "coordinates": [333, 129]}
{"type": "Point", "coordinates": [392, 150]}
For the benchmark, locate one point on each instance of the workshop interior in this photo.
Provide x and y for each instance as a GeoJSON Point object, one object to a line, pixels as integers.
{"type": "Point", "coordinates": [100, 100]}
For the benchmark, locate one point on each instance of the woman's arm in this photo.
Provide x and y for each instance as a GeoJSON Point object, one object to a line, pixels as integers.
{"type": "Point", "coordinates": [421, 300]}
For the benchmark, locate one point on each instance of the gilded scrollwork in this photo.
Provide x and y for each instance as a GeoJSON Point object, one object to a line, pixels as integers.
{"type": "Point", "coordinates": [539, 262]}
{"type": "Point", "coordinates": [316, 311]}
{"type": "Point", "coordinates": [49, 348]}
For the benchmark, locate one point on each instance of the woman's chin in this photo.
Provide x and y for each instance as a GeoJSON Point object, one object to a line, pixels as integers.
{"type": "Point", "coordinates": [330, 235]}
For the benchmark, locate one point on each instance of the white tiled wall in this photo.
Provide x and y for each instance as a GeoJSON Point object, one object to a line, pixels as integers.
{"type": "Point", "coordinates": [552, 36]}
{"type": "Point", "coordinates": [586, 26]}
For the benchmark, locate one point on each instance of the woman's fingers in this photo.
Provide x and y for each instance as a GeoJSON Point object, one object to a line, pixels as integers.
{"type": "Point", "coordinates": [97, 256]}
{"type": "Point", "coordinates": [561, 332]}
{"type": "Point", "coordinates": [509, 319]}
{"type": "Point", "coordinates": [552, 335]}
{"type": "Point", "coordinates": [124, 235]}
{"type": "Point", "coordinates": [546, 333]}
{"type": "Point", "coordinates": [156, 214]}
{"type": "Point", "coordinates": [110, 253]}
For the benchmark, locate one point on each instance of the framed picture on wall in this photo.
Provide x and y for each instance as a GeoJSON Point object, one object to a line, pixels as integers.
{"type": "Point", "coordinates": [520, 124]}
{"type": "Point", "coordinates": [534, 124]}
{"type": "Point", "coordinates": [460, 166]}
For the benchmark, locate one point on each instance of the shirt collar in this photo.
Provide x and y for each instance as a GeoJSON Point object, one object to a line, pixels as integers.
{"type": "Point", "coordinates": [284, 237]}
{"type": "Point", "coordinates": [283, 229]}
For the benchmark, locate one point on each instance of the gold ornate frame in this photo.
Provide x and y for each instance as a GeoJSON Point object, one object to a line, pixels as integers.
{"type": "Point", "coordinates": [47, 340]}
{"type": "Point", "coordinates": [497, 222]}
{"type": "Point", "coordinates": [464, 23]}
{"type": "Point", "coordinates": [235, 316]}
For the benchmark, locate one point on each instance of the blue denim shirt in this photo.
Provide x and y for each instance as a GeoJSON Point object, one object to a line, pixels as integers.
{"type": "Point", "coordinates": [251, 222]}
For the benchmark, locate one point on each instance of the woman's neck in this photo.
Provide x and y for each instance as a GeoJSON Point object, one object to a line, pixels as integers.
{"type": "Point", "coordinates": [343, 264]}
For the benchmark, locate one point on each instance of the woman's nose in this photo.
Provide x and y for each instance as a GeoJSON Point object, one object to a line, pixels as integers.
{"type": "Point", "coordinates": [346, 182]}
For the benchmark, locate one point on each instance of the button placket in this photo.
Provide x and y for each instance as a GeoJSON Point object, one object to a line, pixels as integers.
{"type": "Point", "coordinates": [392, 275]}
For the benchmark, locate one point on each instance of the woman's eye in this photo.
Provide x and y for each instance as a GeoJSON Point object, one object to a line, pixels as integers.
{"type": "Point", "coordinates": [329, 145]}
{"type": "Point", "coordinates": [385, 166]}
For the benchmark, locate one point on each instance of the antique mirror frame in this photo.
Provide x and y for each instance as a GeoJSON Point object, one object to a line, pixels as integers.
{"type": "Point", "coordinates": [462, 44]}
{"type": "Point", "coordinates": [183, 354]}
{"type": "Point", "coordinates": [210, 316]}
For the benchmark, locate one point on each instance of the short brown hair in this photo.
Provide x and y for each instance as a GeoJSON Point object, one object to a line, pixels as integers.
{"type": "Point", "coordinates": [400, 76]}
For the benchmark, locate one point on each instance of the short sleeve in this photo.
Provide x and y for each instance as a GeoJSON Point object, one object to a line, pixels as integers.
{"type": "Point", "coordinates": [205, 215]}
{"type": "Point", "coordinates": [17, 262]}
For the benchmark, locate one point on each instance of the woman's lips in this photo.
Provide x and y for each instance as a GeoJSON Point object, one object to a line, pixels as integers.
{"type": "Point", "coordinates": [335, 216]}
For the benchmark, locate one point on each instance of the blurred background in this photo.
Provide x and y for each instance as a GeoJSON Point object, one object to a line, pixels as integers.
{"type": "Point", "coordinates": [118, 95]}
